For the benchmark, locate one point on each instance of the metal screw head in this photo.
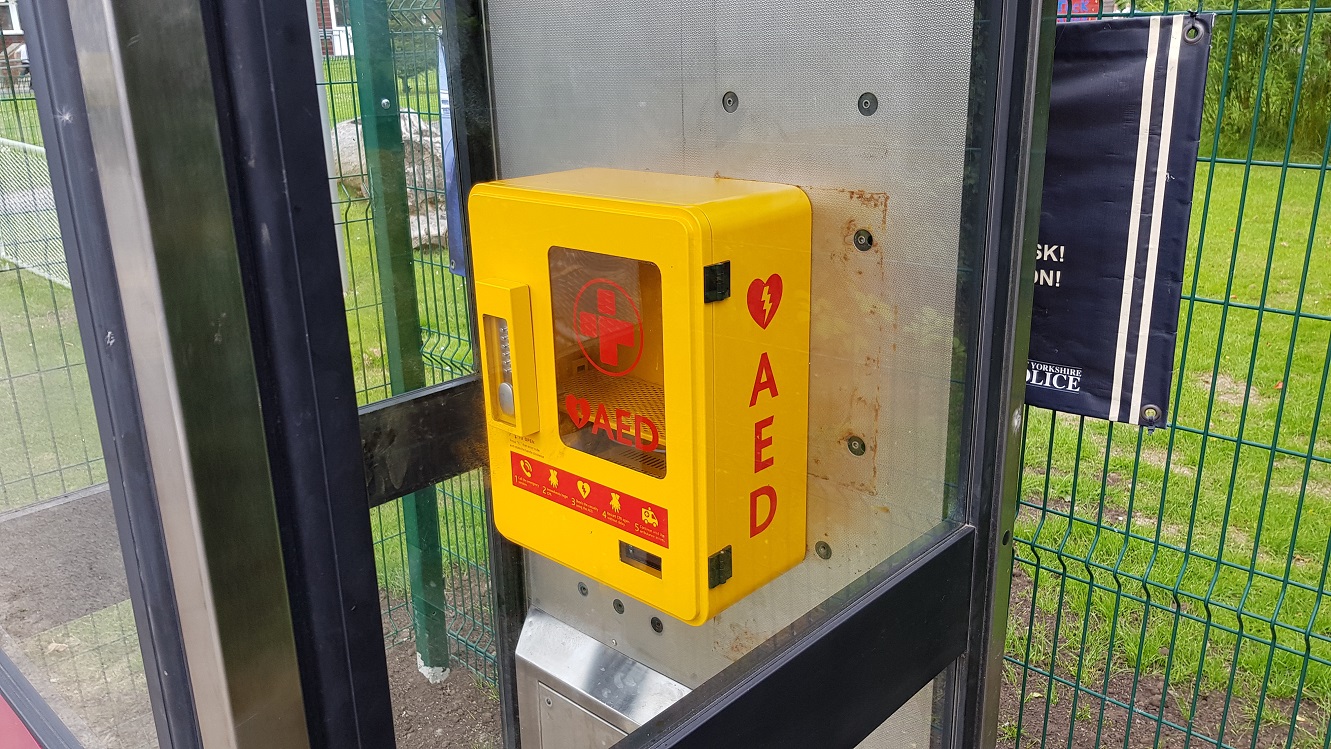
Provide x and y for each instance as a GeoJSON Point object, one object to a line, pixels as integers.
{"type": "Point", "coordinates": [863, 240]}
{"type": "Point", "coordinates": [823, 550]}
{"type": "Point", "coordinates": [855, 445]}
{"type": "Point", "coordinates": [730, 101]}
{"type": "Point", "coordinates": [385, 103]}
{"type": "Point", "coordinates": [868, 104]}
{"type": "Point", "coordinates": [619, 606]}
{"type": "Point", "coordinates": [582, 588]}
{"type": "Point", "coordinates": [548, 702]}
{"type": "Point", "coordinates": [657, 626]}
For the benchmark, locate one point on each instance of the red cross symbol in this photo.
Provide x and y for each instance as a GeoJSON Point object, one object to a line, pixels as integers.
{"type": "Point", "coordinates": [604, 325]}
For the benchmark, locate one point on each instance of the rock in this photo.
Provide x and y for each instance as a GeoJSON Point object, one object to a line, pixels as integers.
{"type": "Point", "coordinates": [423, 165]}
{"type": "Point", "coordinates": [349, 157]}
{"type": "Point", "coordinates": [429, 229]}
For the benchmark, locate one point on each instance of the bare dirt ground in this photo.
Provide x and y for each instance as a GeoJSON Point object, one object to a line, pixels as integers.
{"type": "Point", "coordinates": [457, 714]}
{"type": "Point", "coordinates": [59, 563]}
{"type": "Point", "coordinates": [65, 620]}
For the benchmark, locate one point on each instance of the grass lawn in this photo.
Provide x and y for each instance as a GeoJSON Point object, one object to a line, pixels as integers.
{"type": "Point", "coordinates": [1243, 529]}
{"type": "Point", "coordinates": [94, 677]}
{"type": "Point", "coordinates": [18, 120]}
{"type": "Point", "coordinates": [48, 433]}
{"type": "Point", "coordinates": [420, 93]}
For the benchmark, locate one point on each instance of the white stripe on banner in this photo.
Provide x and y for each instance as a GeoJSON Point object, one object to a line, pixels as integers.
{"type": "Point", "coordinates": [1157, 211]}
{"type": "Point", "coordinates": [1134, 220]}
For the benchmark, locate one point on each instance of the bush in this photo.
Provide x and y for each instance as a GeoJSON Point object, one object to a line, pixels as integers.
{"type": "Point", "coordinates": [1289, 47]}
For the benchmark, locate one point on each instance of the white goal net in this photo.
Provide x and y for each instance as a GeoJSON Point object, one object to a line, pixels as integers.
{"type": "Point", "coordinates": [29, 229]}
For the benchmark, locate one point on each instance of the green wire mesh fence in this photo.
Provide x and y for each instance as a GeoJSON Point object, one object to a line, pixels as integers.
{"type": "Point", "coordinates": [48, 436]}
{"type": "Point", "coordinates": [1170, 586]}
{"type": "Point", "coordinates": [442, 306]}
{"type": "Point", "coordinates": [65, 617]}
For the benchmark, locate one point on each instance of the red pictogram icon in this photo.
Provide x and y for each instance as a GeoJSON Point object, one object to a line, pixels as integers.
{"type": "Point", "coordinates": [609, 327]}
{"type": "Point", "coordinates": [764, 298]}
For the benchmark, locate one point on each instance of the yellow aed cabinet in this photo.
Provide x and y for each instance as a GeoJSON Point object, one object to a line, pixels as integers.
{"type": "Point", "coordinates": [645, 348]}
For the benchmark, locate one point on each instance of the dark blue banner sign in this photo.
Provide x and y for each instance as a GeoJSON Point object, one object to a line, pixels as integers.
{"type": "Point", "coordinates": [1125, 116]}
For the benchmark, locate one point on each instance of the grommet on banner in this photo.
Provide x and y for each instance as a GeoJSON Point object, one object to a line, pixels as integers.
{"type": "Point", "coordinates": [1193, 31]}
{"type": "Point", "coordinates": [1151, 416]}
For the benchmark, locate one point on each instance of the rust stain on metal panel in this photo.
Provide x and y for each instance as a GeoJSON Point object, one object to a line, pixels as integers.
{"type": "Point", "coordinates": [849, 335]}
{"type": "Point", "coordinates": [742, 640]}
{"type": "Point", "coordinates": [871, 199]}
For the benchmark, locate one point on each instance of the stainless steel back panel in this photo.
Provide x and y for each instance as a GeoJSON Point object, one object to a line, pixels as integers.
{"type": "Point", "coordinates": [594, 675]}
{"type": "Point", "coordinates": [564, 725]}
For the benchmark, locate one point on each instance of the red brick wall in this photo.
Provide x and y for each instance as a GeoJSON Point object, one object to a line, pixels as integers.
{"type": "Point", "coordinates": [323, 12]}
{"type": "Point", "coordinates": [12, 69]}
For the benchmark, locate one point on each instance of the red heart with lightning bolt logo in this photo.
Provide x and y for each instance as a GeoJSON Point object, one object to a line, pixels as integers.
{"type": "Point", "coordinates": [764, 298]}
{"type": "Point", "coordinates": [578, 409]}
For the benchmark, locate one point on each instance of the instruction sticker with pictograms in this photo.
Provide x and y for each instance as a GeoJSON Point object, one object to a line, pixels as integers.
{"type": "Point", "coordinates": [628, 513]}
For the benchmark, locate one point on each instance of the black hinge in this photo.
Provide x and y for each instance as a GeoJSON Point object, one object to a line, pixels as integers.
{"type": "Point", "coordinates": [716, 281]}
{"type": "Point", "coordinates": [719, 568]}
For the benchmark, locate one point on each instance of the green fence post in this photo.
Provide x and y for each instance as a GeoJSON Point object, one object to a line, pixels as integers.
{"type": "Point", "coordinates": [382, 138]}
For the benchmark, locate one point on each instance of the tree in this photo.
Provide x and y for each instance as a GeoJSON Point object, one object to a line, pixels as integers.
{"type": "Point", "coordinates": [414, 27]}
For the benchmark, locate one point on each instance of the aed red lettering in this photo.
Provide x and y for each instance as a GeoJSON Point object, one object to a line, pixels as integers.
{"type": "Point", "coordinates": [756, 527]}
{"type": "Point", "coordinates": [602, 421]}
{"type": "Point", "coordinates": [627, 428]}
{"type": "Point", "coordinates": [622, 430]}
{"type": "Point", "coordinates": [764, 380]}
{"type": "Point", "coordinates": [651, 444]}
{"type": "Point", "coordinates": [760, 443]}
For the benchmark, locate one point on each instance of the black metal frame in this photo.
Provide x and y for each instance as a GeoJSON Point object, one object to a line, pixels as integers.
{"type": "Point", "coordinates": [77, 191]}
{"type": "Point", "coordinates": [418, 439]}
{"type": "Point", "coordinates": [1020, 35]}
{"type": "Point", "coordinates": [268, 112]}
